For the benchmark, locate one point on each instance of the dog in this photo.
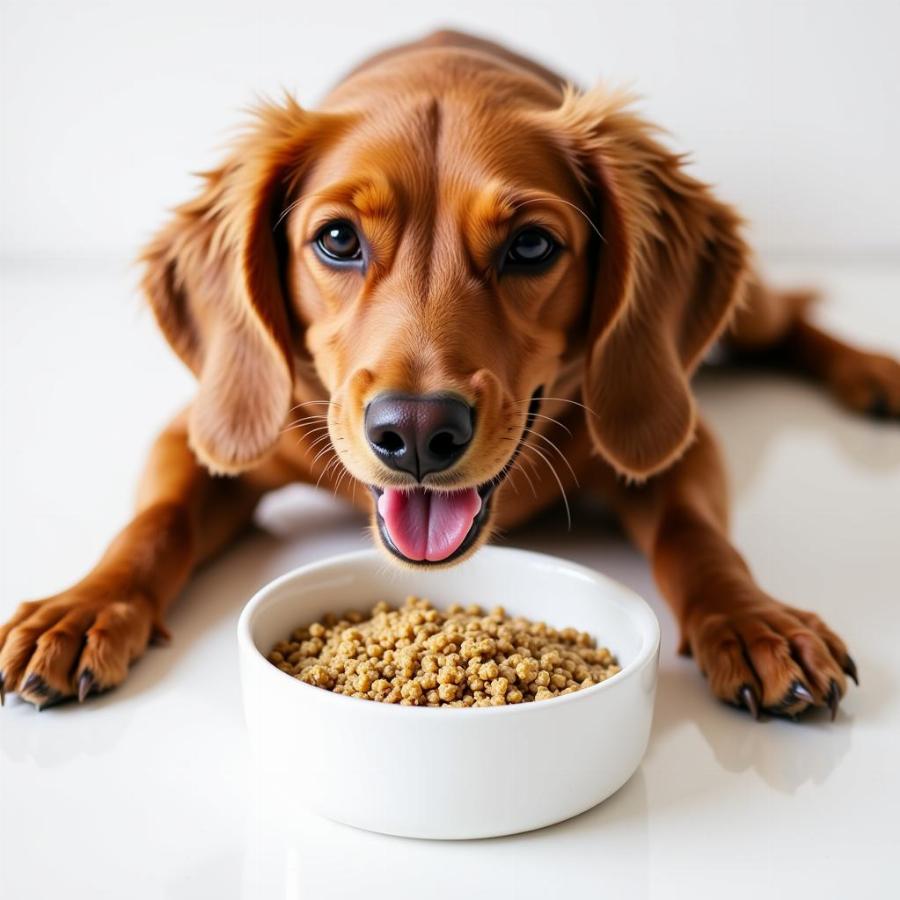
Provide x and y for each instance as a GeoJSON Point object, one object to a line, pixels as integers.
{"type": "Point", "coordinates": [457, 289]}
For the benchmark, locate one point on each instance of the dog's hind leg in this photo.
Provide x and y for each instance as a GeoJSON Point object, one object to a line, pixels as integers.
{"type": "Point", "coordinates": [775, 327]}
{"type": "Point", "coordinates": [83, 639]}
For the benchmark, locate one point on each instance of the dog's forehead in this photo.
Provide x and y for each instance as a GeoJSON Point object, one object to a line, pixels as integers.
{"type": "Point", "coordinates": [417, 144]}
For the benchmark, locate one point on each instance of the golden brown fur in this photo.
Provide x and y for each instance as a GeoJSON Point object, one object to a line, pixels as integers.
{"type": "Point", "coordinates": [437, 150]}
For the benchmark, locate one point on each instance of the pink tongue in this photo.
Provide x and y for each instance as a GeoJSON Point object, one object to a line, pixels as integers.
{"type": "Point", "coordinates": [428, 524]}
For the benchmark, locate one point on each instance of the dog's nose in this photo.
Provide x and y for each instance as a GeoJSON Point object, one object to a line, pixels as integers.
{"type": "Point", "coordinates": [418, 434]}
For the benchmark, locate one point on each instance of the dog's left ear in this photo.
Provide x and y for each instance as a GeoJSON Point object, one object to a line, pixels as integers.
{"type": "Point", "coordinates": [671, 271]}
{"type": "Point", "coordinates": [214, 279]}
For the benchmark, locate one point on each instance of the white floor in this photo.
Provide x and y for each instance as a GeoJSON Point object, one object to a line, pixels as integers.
{"type": "Point", "coordinates": [147, 792]}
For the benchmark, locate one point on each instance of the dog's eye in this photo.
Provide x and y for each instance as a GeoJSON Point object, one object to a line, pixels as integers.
{"type": "Point", "coordinates": [338, 241]}
{"type": "Point", "coordinates": [530, 247]}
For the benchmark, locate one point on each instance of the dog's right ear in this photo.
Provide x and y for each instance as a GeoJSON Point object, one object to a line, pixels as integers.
{"type": "Point", "coordinates": [213, 277]}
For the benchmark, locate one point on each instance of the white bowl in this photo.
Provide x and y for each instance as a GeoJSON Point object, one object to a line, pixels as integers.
{"type": "Point", "coordinates": [447, 772]}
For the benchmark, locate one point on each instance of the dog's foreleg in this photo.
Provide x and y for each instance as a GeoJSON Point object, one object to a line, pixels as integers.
{"type": "Point", "coordinates": [84, 639]}
{"type": "Point", "coordinates": [756, 651]}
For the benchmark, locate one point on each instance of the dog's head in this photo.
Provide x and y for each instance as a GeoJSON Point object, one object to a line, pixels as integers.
{"type": "Point", "coordinates": [428, 255]}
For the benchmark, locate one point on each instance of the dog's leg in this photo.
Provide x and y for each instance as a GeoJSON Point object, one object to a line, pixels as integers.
{"type": "Point", "coordinates": [756, 651]}
{"type": "Point", "coordinates": [84, 639]}
{"type": "Point", "coordinates": [775, 327]}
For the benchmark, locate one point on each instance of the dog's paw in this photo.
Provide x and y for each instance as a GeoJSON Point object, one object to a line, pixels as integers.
{"type": "Point", "coordinates": [868, 383]}
{"type": "Point", "coordinates": [769, 657]}
{"type": "Point", "coordinates": [79, 642]}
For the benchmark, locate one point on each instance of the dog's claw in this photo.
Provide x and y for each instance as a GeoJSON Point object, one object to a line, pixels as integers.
{"type": "Point", "coordinates": [833, 699]}
{"type": "Point", "coordinates": [850, 669]}
{"type": "Point", "coordinates": [160, 636]}
{"type": "Point", "coordinates": [34, 684]}
{"type": "Point", "coordinates": [2, 690]}
{"type": "Point", "coordinates": [879, 409]}
{"type": "Point", "coordinates": [800, 691]}
{"type": "Point", "coordinates": [748, 697]}
{"type": "Point", "coordinates": [85, 684]}
{"type": "Point", "coordinates": [54, 700]}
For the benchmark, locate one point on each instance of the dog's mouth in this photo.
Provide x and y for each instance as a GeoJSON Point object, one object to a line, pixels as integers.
{"type": "Point", "coordinates": [425, 525]}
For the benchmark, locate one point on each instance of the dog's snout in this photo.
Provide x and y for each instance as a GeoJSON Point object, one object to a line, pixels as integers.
{"type": "Point", "coordinates": [418, 434]}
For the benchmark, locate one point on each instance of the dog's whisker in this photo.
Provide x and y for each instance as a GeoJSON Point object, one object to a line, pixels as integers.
{"type": "Point", "coordinates": [552, 420]}
{"type": "Point", "coordinates": [325, 448]}
{"type": "Point", "coordinates": [553, 446]}
{"type": "Point", "coordinates": [305, 419]}
{"type": "Point", "coordinates": [531, 465]}
{"type": "Point", "coordinates": [563, 400]}
{"type": "Point", "coordinates": [292, 205]}
{"type": "Point", "coordinates": [308, 434]}
{"type": "Point", "coordinates": [322, 452]}
{"type": "Point", "coordinates": [344, 474]}
{"type": "Point", "coordinates": [333, 403]}
{"type": "Point", "coordinates": [315, 431]}
{"type": "Point", "coordinates": [286, 211]}
{"type": "Point", "coordinates": [553, 472]}
{"type": "Point", "coordinates": [319, 440]}
{"type": "Point", "coordinates": [328, 466]}
{"type": "Point", "coordinates": [518, 469]}
{"type": "Point", "coordinates": [499, 477]}
{"type": "Point", "coordinates": [509, 481]}
{"type": "Point", "coordinates": [300, 423]}
{"type": "Point", "coordinates": [331, 463]}
{"type": "Point", "coordinates": [312, 416]}
{"type": "Point", "coordinates": [577, 209]}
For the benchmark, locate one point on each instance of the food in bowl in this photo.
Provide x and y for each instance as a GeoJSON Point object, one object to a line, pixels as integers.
{"type": "Point", "coordinates": [416, 655]}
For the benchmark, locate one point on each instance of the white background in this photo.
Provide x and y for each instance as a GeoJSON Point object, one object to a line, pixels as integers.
{"type": "Point", "coordinates": [147, 792]}
{"type": "Point", "coordinates": [791, 106]}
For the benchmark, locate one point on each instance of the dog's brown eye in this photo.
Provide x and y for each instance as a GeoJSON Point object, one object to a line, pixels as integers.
{"type": "Point", "coordinates": [339, 242]}
{"type": "Point", "coordinates": [530, 247]}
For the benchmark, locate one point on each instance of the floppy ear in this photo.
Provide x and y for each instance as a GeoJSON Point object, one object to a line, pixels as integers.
{"type": "Point", "coordinates": [213, 277]}
{"type": "Point", "coordinates": [671, 272]}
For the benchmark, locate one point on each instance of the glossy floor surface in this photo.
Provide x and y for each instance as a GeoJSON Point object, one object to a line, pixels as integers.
{"type": "Point", "coordinates": [148, 792]}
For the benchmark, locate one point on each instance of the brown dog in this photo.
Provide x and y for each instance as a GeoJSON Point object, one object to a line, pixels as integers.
{"type": "Point", "coordinates": [456, 273]}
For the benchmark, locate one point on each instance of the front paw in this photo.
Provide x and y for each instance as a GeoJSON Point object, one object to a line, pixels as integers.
{"type": "Point", "coordinates": [79, 642]}
{"type": "Point", "coordinates": [765, 656]}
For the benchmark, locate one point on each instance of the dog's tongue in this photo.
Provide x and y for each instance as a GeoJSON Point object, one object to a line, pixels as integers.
{"type": "Point", "coordinates": [428, 524]}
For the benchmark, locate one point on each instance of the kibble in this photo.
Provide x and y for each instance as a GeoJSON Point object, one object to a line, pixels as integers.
{"type": "Point", "coordinates": [416, 655]}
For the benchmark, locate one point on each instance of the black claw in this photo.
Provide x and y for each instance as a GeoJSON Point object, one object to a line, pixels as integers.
{"type": "Point", "coordinates": [833, 699]}
{"type": "Point", "coordinates": [54, 700]}
{"type": "Point", "coordinates": [85, 684]}
{"type": "Point", "coordinates": [799, 691]}
{"type": "Point", "coordinates": [748, 697]}
{"type": "Point", "coordinates": [850, 669]}
{"type": "Point", "coordinates": [2, 690]}
{"type": "Point", "coordinates": [878, 408]}
{"type": "Point", "coordinates": [34, 684]}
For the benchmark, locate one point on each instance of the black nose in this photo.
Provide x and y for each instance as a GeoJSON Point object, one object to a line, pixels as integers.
{"type": "Point", "coordinates": [418, 434]}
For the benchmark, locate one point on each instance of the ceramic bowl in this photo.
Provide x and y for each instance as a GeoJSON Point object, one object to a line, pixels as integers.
{"type": "Point", "coordinates": [446, 772]}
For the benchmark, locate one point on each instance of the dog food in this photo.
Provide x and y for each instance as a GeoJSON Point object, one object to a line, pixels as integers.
{"type": "Point", "coordinates": [419, 656]}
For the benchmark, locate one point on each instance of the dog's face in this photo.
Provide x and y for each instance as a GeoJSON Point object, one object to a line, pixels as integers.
{"type": "Point", "coordinates": [439, 270]}
{"type": "Point", "coordinates": [430, 260]}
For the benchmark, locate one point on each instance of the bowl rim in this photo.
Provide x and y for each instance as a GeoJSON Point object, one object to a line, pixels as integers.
{"type": "Point", "coordinates": [637, 608]}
